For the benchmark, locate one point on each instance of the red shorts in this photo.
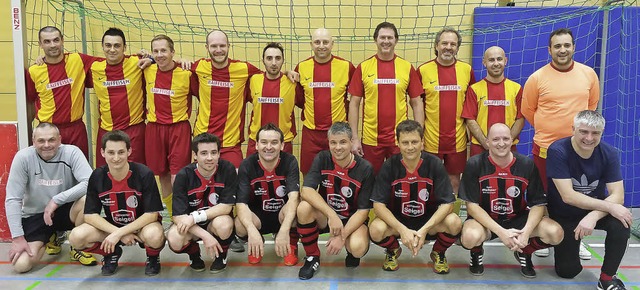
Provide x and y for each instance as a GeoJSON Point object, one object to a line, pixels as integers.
{"type": "Point", "coordinates": [232, 154]}
{"type": "Point", "coordinates": [136, 134]}
{"type": "Point", "coordinates": [75, 133]}
{"type": "Point", "coordinates": [251, 147]}
{"type": "Point", "coordinates": [454, 162]}
{"type": "Point", "coordinates": [541, 163]}
{"type": "Point", "coordinates": [171, 149]}
{"type": "Point", "coordinates": [377, 154]}
{"type": "Point", "coordinates": [477, 149]}
{"type": "Point", "coordinates": [313, 141]}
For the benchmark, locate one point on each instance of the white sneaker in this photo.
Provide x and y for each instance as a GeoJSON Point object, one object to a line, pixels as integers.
{"type": "Point", "coordinates": [542, 253]}
{"type": "Point", "coordinates": [584, 252]}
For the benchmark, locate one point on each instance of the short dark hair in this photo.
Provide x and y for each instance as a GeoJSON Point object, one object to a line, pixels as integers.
{"type": "Point", "coordinates": [204, 138]}
{"type": "Point", "coordinates": [270, 127]}
{"type": "Point", "coordinates": [446, 30]}
{"type": "Point", "coordinates": [112, 31]}
{"type": "Point", "coordinates": [49, 28]}
{"type": "Point", "coordinates": [44, 125]}
{"type": "Point", "coordinates": [273, 45]}
{"type": "Point", "coordinates": [388, 25]}
{"type": "Point", "coordinates": [408, 126]}
{"type": "Point", "coordinates": [341, 127]}
{"type": "Point", "coordinates": [116, 136]}
{"type": "Point", "coordinates": [562, 31]}
{"type": "Point", "coordinates": [163, 37]}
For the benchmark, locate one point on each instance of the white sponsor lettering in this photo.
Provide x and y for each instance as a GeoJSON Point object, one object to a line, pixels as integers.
{"type": "Point", "coordinates": [412, 208]}
{"type": "Point", "coordinates": [116, 83]}
{"type": "Point", "coordinates": [220, 84]}
{"type": "Point", "coordinates": [326, 183]}
{"type": "Point", "coordinates": [488, 190]}
{"type": "Point", "coordinates": [165, 92]}
{"type": "Point", "coordinates": [447, 88]}
{"type": "Point", "coordinates": [123, 216]}
{"type": "Point", "coordinates": [499, 103]}
{"type": "Point", "coordinates": [386, 81]}
{"type": "Point", "coordinates": [107, 202]}
{"type": "Point", "coordinates": [322, 84]}
{"type": "Point", "coordinates": [53, 182]}
{"type": "Point", "coordinates": [401, 193]}
{"type": "Point", "coordinates": [501, 206]}
{"type": "Point", "coordinates": [260, 191]}
{"type": "Point", "coordinates": [195, 202]}
{"type": "Point", "coordinates": [59, 83]}
{"type": "Point", "coordinates": [270, 100]}
{"type": "Point", "coordinates": [337, 202]}
{"type": "Point", "coordinates": [272, 205]}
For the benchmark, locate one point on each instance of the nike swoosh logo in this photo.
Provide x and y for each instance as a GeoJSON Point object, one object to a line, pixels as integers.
{"type": "Point", "coordinates": [370, 75]}
{"type": "Point", "coordinates": [431, 82]}
{"type": "Point", "coordinates": [306, 79]}
{"type": "Point", "coordinates": [224, 261]}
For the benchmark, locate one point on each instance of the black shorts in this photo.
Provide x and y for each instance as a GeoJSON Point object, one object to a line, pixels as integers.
{"type": "Point", "coordinates": [416, 223]}
{"type": "Point", "coordinates": [270, 223]}
{"type": "Point", "coordinates": [517, 223]}
{"type": "Point", "coordinates": [344, 223]}
{"type": "Point", "coordinates": [36, 230]}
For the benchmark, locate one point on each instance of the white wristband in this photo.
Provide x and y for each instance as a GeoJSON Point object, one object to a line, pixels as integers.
{"type": "Point", "coordinates": [199, 216]}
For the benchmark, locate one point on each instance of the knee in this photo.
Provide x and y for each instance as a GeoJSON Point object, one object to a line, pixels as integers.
{"type": "Point", "coordinates": [454, 224]}
{"type": "Point", "coordinates": [555, 235]}
{"type": "Point", "coordinates": [618, 231]}
{"type": "Point", "coordinates": [470, 238]}
{"type": "Point", "coordinates": [174, 239]}
{"type": "Point", "coordinates": [76, 238]}
{"type": "Point", "coordinates": [304, 212]}
{"type": "Point", "coordinates": [23, 264]}
{"type": "Point", "coordinates": [153, 235]}
{"type": "Point", "coordinates": [222, 226]}
{"type": "Point", "coordinates": [377, 229]}
{"type": "Point", "coordinates": [567, 271]}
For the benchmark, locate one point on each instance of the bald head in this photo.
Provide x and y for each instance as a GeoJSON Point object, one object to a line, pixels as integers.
{"type": "Point", "coordinates": [494, 60]}
{"type": "Point", "coordinates": [499, 142]}
{"type": "Point", "coordinates": [494, 50]}
{"type": "Point", "coordinates": [217, 35]}
{"type": "Point", "coordinates": [218, 47]}
{"type": "Point", "coordinates": [498, 129]}
{"type": "Point", "coordinates": [321, 44]}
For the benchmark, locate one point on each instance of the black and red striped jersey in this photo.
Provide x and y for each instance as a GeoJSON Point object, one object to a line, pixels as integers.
{"type": "Point", "coordinates": [126, 200]}
{"type": "Point", "coordinates": [504, 193]}
{"type": "Point", "coordinates": [192, 191]}
{"type": "Point", "coordinates": [413, 197]}
{"type": "Point", "coordinates": [266, 192]}
{"type": "Point", "coordinates": [345, 190]}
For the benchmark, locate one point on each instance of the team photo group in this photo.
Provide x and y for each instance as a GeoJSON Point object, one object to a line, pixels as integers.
{"type": "Point", "coordinates": [383, 136]}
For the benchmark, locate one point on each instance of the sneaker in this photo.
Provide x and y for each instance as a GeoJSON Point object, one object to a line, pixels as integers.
{"type": "Point", "coordinates": [310, 268]}
{"type": "Point", "coordinates": [219, 264]}
{"type": "Point", "coordinates": [526, 266]}
{"type": "Point", "coordinates": [584, 252]}
{"type": "Point", "coordinates": [152, 267]}
{"type": "Point", "coordinates": [440, 265]}
{"type": "Point", "coordinates": [476, 267]}
{"type": "Point", "coordinates": [614, 284]}
{"type": "Point", "coordinates": [54, 245]}
{"type": "Point", "coordinates": [391, 259]}
{"type": "Point", "coordinates": [85, 259]}
{"type": "Point", "coordinates": [351, 262]}
{"type": "Point", "coordinates": [292, 258]}
{"type": "Point", "coordinates": [236, 245]}
{"type": "Point", "coordinates": [542, 253]}
{"type": "Point", "coordinates": [110, 262]}
{"type": "Point", "coordinates": [254, 259]}
{"type": "Point", "coordinates": [196, 264]}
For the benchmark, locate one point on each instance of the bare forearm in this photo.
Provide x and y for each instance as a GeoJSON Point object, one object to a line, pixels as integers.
{"type": "Point", "coordinates": [290, 211]}
{"type": "Point", "coordinates": [517, 128]}
{"type": "Point", "coordinates": [100, 223]}
{"type": "Point", "coordinates": [139, 223]}
{"type": "Point", "coordinates": [355, 221]}
{"type": "Point", "coordinates": [311, 196]}
{"type": "Point", "coordinates": [483, 217]}
{"type": "Point", "coordinates": [354, 115]}
{"type": "Point", "coordinates": [535, 216]}
{"type": "Point", "coordinates": [418, 110]}
{"type": "Point", "coordinates": [476, 131]}
{"type": "Point", "coordinates": [218, 210]}
{"type": "Point", "coordinates": [441, 213]}
{"type": "Point", "coordinates": [385, 214]}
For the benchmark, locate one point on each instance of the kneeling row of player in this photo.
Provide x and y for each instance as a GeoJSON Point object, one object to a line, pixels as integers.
{"type": "Point", "coordinates": [412, 199]}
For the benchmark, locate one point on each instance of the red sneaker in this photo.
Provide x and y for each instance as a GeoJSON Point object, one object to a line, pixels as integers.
{"type": "Point", "coordinates": [254, 259]}
{"type": "Point", "coordinates": [292, 258]}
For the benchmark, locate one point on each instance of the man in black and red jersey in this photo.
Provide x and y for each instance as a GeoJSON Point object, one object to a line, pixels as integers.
{"type": "Point", "coordinates": [268, 185]}
{"type": "Point", "coordinates": [413, 199]}
{"type": "Point", "coordinates": [203, 196]}
{"type": "Point", "coordinates": [505, 199]}
{"type": "Point", "coordinates": [336, 199]}
{"type": "Point", "coordinates": [128, 193]}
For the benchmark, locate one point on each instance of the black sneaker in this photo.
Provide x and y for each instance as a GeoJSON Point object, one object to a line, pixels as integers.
{"type": "Point", "coordinates": [351, 262]}
{"type": "Point", "coordinates": [476, 267]}
{"type": "Point", "coordinates": [526, 266]}
{"type": "Point", "coordinates": [236, 245]}
{"type": "Point", "coordinates": [110, 262]}
{"type": "Point", "coordinates": [219, 264]}
{"type": "Point", "coordinates": [197, 264]}
{"type": "Point", "coordinates": [311, 266]}
{"type": "Point", "coordinates": [152, 267]}
{"type": "Point", "coordinates": [614, 284]}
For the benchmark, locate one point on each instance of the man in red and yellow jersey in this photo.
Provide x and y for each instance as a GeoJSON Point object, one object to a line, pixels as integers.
{"type": "Point", "coordinates": [168, 94]}
{"type": "Point", "coordinates": [56, 88]}
{"type": "Point", "coordinates": [555, 93]}
{"type": "Point", "coordinates": [383, 81]}
{"type": "Point", "coordinates": [494, 99]}
{"type": "Point", "coordinates": [119, 85]}
{"type": "Point", "coordinates": [273, 98]}
{"type": "Point", "coordinates": [220, 87]}
{"type": "Point", "coordinates": [322, 94]}
{"type": "Point", "coordinates": [445, 81]}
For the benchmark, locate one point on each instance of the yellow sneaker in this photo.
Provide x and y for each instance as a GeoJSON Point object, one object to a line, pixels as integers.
{"type": "Point", "coordinates": [391, 259]}
{"type": "Point", "coordinates": [85, 259]}
{"type": "Point", "coordinates": [440, 265]}
{"type": "Point", "coordinates": [53, 245]}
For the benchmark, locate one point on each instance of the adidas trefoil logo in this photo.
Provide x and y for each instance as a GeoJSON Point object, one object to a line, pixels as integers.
{"type": "Point", "coordinates": [583, 186]}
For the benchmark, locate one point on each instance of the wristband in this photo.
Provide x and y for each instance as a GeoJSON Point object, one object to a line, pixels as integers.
{"type": "Point", "coordinates": [199, 216]}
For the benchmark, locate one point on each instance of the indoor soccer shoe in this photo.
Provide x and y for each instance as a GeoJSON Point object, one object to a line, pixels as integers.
{"type": "Point", "coordinates": [54, 245]}
{"type": "Point", "coordinates": [219, 264]}
{"type": "Point", "coordinates": [391, 259]}
{"type": "Point", "coordinates": [196, 263]}
{"type": "Point", "coordinates": [236, 245]}
{"type": "Point", "coordinates": [110, 262]}
{"type": "Point", "coordinates": [152, 266]}
{"type": "Point", "coordinates": [440, 265]}
{"type": "Point", "coordinates": [614, 284]}
{"type": "Point", "coordinates": [84, 258]}
{"type": "Point", "coordinates": [526, 266]}
{"type": "Point", "coordinates": [310, 268]}
{"type": "Point", "coordinates": [351, 262]}
{"type": "Point", "coordinates": [476, 266]}
{"type": "Point", "coordinates": [292, 258]}
{"type": "Point", "coordinates": [584, 252]}
{"type": "Point", "coordinates": [253, 259]}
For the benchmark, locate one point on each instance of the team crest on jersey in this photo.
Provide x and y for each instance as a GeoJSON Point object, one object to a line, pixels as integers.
{"type": "Point", "coordinates": [132, 201]}
{"type": "Point", "coordinates": [280, 191]}
{"type": "Point", "coordinates": [272, 205]}
{"type": "Point", "coordinates": [502, 206]}
{"type": "Point", "coordinates": [513, 191]}
{"type": "Point", "coordinates": [423, 194]}
{"type": "Point", "coordinates": [412, 208]}
{"type": "Point", "coordinates": [337, 202]}
{"type": "Point", "coordinates": [213, 198]}
{"type": "Point", "coordinates": [123, 217]}
{"type": "Point", "coordinates": [346, 191]}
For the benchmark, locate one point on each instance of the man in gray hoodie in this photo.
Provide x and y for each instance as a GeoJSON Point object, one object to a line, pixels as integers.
{"type": "Point", "coordinates": [45, 193]}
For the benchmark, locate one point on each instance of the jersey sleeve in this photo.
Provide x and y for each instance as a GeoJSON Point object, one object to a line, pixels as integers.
{"type": "Point", "coordinates": [180, 194]}
{"type": "Point", "coordinates": [470, 107]}
{"type": "Point", "coordinates": [472, 77]}
{"type": "Point", "coordinates": [519, 104]}
{"type": "Point", "coordinates": [535, 190]}
{"type": "Point", "coordinates": [293, 175]}
{"type": "Point", "coordinates": [252, 70]}
{"type": "Point", "coordinates": [383, 180]}
{"type": "Point", "coordinates": [15, 192]}
{"type": "Point", "coordinates": [530, 99]}
{"type": "Point", "coordinates": [150, 193]}
{"type": "Point", "coordinates": [244, 184]}
{"type": "Point", "coordinates": [32, 94]}
{"type": "Point", "coordinates": [88, 60]}
{"type": "Point", "coordinates": [364, 197]}
{"type": "Point", "coordinates": [594, 91]}
{"type": "Point", "coordinates": [313, 178]}
{"type": "Point", "coordinates": [356, 87]}
{"type": "Point", "coordinates": [228, 194]}
{"type": "Point", "coordinates": [469, 184]}
{"type": "Point", "coordinates": [88, 81]}
{"type": "Point", "coordinates": [415, 88]}
{"type": "Point", "coordinates": [442, 184]}
{"type": "Point", "coordinates": [92, 204]}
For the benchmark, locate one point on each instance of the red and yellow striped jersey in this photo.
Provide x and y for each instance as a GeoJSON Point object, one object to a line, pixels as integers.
{"type": "Point", "coordinates": [58, 89]}
{"type": "Point", "coordinates": [445, 88]}
{"type": "Point", "coordinates": [489, 103]}
{"type": "Point", "coordinates": [322, 91]}
{"type": "Point", "coordinates": [168, 94]}
{"type": "Point", "coordinates": [273, 102]}
{"type": "Point", "coordinates": [222, 99]}
{"type": "Point", "coordinates": [120, 91]}
{"type": "Point", "coordinates": [383, 85]}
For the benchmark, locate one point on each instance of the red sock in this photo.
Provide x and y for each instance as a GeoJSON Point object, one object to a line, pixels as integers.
{"type": "Point", "coordinates": [443, 242]}
{"type": "Point", "coordinates": [535, 244]}
{"type": "Point", "coordinates": [605, 277]}
{"type": "Point", "coordinates": [309, 237]}
{"type": "Point", "coordinates": [151, 252]}
{"type": "Point", "coordinates": [95, 249]}
{"type": "Point", "coordinates": [389, 243]}
{"type": "Point", "coordinates": [294, 236]}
